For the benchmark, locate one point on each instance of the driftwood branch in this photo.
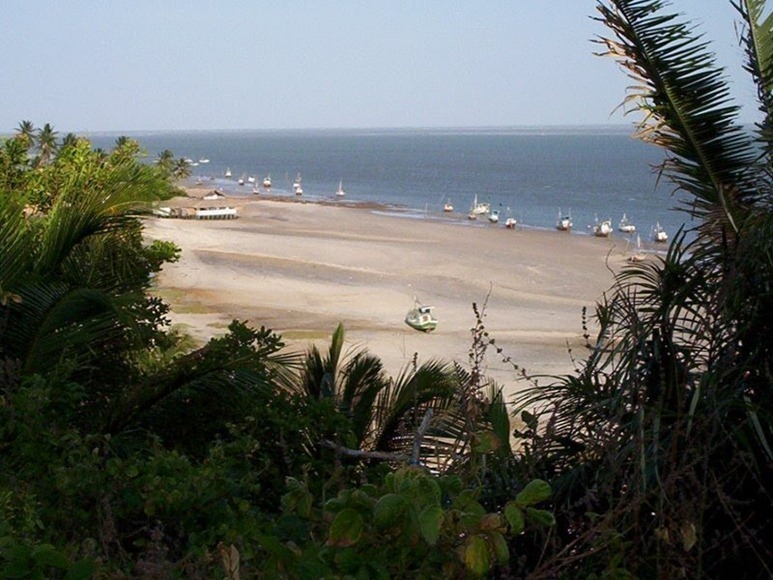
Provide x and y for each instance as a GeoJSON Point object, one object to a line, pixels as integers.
{"type": "Point", "coordinates": [417, 439]}
{"type": "Point", "coordinates": [384, 455]}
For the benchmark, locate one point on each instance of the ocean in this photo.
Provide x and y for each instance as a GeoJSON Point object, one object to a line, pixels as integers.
{"type": "Point", "coordinates": [528, 173]}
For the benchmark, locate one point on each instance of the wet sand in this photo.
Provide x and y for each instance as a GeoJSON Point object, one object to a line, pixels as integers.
{"type": "Point", "coordinates": [301, 268]}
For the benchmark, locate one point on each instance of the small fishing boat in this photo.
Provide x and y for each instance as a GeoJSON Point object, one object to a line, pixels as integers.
{"type": "Point", "coordinates": [241, 180]}
{"type": "Point", "coordinates": [251, 179]}
{"type": "Point", "coordinates": [479, 208]}
{"type": "Point", "coordinates": [297, 189]}
{"type": "Point", "coordinates": [493, 216]}
{"type": "Point", "coordinates": [564, 222]}
{"type": "Point", "coordinates": [626, 226]}
{"type": "Point", "coordinates": [255, 189]}
{"type": "Point", "coordinates": [267, 182]}
{"type": "Point", "coordinates": [340, 192]}
{"type": "Point", "coordinates": [602, 229]}
{"type": "Point", "coordinates": [659, 235]}
{"type": "Point", "coordinates": [420, 317]}
{"type": "Point", "coordinates": [448, 207]}
{"type": "Point", "coordinates": [510, 220]}
{"type": "Point", "coordinates": [228, 172]}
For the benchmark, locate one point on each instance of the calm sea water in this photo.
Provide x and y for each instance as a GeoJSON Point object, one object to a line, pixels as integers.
{"type": "Point", "coordinates": [527, 173]}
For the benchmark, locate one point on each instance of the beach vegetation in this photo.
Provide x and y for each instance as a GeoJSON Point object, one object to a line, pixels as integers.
{"type": "Point", "coordinates": [659, 449]}
{"type": "Point", "coordinates": [128, 450]}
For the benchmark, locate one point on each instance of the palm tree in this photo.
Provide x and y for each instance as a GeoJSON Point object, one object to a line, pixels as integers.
{"type": "Point", "coordinates": [675, 399]}
{"type": "Point", "coordinates": [26, 133]}
{"type": "Point", "coordinates": [383, 413]}
{"type": "Point", "coordinates": [182, 169]}
{"type": "Point", "coordinates": [73, 310]}
{"type": "Point", "coordinates": [68, 140]}
{"type": "Point", "coordinates": [125, 148]}
{"type": "Point", "coordinates": [165, 161]}
{"type": "Point", "coordinates": [46, 144]}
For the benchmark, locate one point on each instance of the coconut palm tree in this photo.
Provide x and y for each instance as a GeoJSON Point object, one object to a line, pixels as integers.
{"type": "Point", "coordinates": [26, 133]}
{"type": "Point", "coordinates": [73, 310]}
{"type": "Point", "coordinates": [165, 160]}
{"type": "Point", "coordinates": [667, 431]}
{"type": "Point", "coordinates": [126, 148]}
{"type": "Point", "coordinates": [181, 169]}
{"type": "Point", "coordinates": [46, 144]}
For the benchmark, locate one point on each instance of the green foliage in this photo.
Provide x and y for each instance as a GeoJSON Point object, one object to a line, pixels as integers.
{"type": "Point", "coordinates": [658, 448]}
{"type": "Point", "coordinates": [412, 524]}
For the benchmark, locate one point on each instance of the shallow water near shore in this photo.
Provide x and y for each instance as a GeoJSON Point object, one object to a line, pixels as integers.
{"type": "Point", "coordinates": [526, 173]}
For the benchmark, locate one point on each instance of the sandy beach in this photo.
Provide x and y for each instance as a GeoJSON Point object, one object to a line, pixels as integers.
{"type": "Point", "coordinates": [301, 268]}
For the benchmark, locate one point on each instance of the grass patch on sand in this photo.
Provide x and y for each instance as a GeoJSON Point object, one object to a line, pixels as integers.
{"type": "Point", "coordinates": [181, 302]}
{"type": "Point", "coordinates": [306, 335]}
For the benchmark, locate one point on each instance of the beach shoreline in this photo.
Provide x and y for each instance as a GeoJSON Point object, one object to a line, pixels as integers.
{"type": "Point", "coordinates": [302, 267]}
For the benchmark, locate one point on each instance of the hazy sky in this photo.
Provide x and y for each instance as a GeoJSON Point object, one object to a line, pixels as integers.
{"type": "Point", "coordinates": [99, 65]}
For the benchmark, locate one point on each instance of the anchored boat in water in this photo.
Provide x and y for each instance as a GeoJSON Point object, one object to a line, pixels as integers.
{"type": "Point", "coordinates": [564, 222]}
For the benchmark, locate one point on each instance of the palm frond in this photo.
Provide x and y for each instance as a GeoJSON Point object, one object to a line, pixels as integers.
{"type": "Point", "coordinates": [758, 42]}
{"type": "Point", "coordinates": [687, 106]}
{"type": "Point", "coordinates": [54, 322]}
{"type": "Point", "coordinates": [402, 404]}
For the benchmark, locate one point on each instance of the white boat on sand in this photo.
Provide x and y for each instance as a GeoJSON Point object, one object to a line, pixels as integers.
{"type": "Point", "coordinates": [420, 317]}
{"type": "Point", "coordinates": [659, 235]}
{"type": "Point", "coordinates": [564, 222]}
{"type": "Point", "coordinates": [297, 189]}
{"type": "Point", "coordinates": [626, 226]}
{"type": "Point", "coordinates": [602, 229]}
{"type": "Point", "coordinates": [479, 208]}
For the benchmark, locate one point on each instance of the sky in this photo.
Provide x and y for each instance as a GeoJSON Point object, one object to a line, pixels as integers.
{"type": "Point", "coordinates": [141, 65]}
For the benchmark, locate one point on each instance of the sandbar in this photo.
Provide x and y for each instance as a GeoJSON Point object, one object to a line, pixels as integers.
{"type": "Point", "coordinates": [301, 268]}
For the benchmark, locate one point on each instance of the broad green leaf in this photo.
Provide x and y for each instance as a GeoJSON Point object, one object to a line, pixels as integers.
{"type": "Point", "coordinates": [541, 517]}
{"type": "Point", "coordinates": [514, 515]}
{"type": "Point", "coordinates": [501, 551]}
{"type": "Point", "coordinates": [346, 529]}
{"type": "Point", "coordinates": [430, 521]}
{"type": "Point", "coordinates": [334, 505]}
{"type": "Point", "coordinates": [486, 442]}
{"type": "Point", "coordinates": [451, 483]}
{"type": "Point", "coordinates": [466, 502]}
{"type": "Point", "coordinates": [476, 556]}
{"type": "Point", "coordinates": [429, 491]}
{"type": "Point", "coordinates": [535, 492]}
{"type": "Point", "coordinates": [47, 555]}
{"type": "Point", "coordinates": [81, 570]}
{"type": "Point", "coordinates": [388, 510]}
